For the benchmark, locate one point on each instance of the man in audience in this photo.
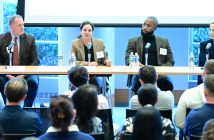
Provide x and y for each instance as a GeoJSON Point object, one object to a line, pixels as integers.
{"type": "Point", "coordinates": [192, 98]}
{"type": "Point", "coordinates": [158, 48]}
{"type": "Point", "coordinates": [197, 117]}
{"type": "Point", "coordinates": [79, 76]}
{"type": "Point", "coordinates": [13, 118]}
{"type": "Point", "coordinates": [23, 49]}
{"type": "Point", "coordinates": [147, 74]}
{"type": "Point", "coordinates": [148, 96]}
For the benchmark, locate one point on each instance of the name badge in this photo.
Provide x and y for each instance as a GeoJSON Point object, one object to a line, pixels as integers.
{"type": "Point", "coordinates": [100, 54]}
{"type": "Point", "coordinates": [163, 51]}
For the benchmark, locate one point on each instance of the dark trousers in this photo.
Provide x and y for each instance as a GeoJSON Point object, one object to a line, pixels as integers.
{"type": "Point", "coordinates": [32, 81]}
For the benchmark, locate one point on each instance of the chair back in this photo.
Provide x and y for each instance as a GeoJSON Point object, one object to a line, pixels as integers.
{"type": "Point", "coordinates": [130, 112]}
{"type": "Point", "coordinates": [18, 136]}
{"type": "Point", "coordinates": [107, 124]}
{"type": "Point", "coordinates": [125, 136]}
{"type": "Point", "coordinates": [98, 136]}
{"type": "Point", "coordinates": [43, 113]}
{"type": "Point", "coordinates": [166, 114]}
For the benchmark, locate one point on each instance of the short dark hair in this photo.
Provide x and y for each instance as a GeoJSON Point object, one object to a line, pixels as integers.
{"type": "Point", "coordinates": [209, 66]}
{"type": "Point", "coordinates": [85, 102]}
{"type": "Point", "coordinates": [209, 83]}
{"type": "Point", "coordinates": [61, 111]}
{"type": "Point", "coordinates": [148, 74]}
{"type": "Point", "coordinates": [147, 94]}
{"type": "Point", "coordinates": [16, 89]}
{"type": "Point", "coordinates": [78, 76]}
{"type": "Point", "coordinates": [165, 83]}
{"type": "Point", "coordinates": [147, 124]}
{"type": "Point", "coordinates": [85, 23]}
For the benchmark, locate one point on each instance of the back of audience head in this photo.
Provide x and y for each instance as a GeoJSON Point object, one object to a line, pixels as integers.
{"type": "Point", "coordinates": [16, 90]}
{"type": "Point", "coordinates": [147, 74]}
{"type": "Point", "coordinates": [164, 83]}
{"type": "Point", "coordinates": [208, 131]}
{"type": "Point", "coordinates": [78, 76]}
{"type": "Point", "coordinates": [62, 112]}
{"type": "Point", "coordinates": [209, 67]}
{"type": "Point", "coordinates": [147, 95]}
{"type": "Point", "coordinates": [85, 102]}
{"type": "Point", "coordinates": [209, 85]}
{"type": "Point", "coordinates": [147, 124]}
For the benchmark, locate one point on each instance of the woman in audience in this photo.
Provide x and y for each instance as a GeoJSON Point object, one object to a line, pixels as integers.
{"type": "Point", "coordinates": [208, 132]}
{"type": "Point", "coordinates": [147, 124]}
{"type": "Point", "coordinates": [85, 103]}
{"type": "Point", "coordinates": [62, 115]}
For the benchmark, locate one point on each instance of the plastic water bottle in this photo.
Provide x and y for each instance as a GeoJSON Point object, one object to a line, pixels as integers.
{"type": "Point", "coordinates": [191, 61]}
{"type": "Point", "coordinates": [72, 60]}
{"type": "Point", "coordinates": [136, 58]}
{"type": "Point", "coordinates": [131, 60]}
{"type": "Point", "coordinates": [60, 60]}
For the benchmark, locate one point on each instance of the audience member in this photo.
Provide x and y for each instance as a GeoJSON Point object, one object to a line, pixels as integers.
{"type": "Point", "coordinates": [147, 96]}
{"type": "Point", "coordinates": [147, 124]}
{"type": "Point", "coordinates": [85, 103]}
{"type": "Point", "coordinates": [147, 74]}
{"type": "Point", "coordinates": [62, 115]}
{"type": "Point", "coordinates": [197, 117]}
{"type": "Point", "coordinates": [79, 76]}
{"type": "Point", "coordinates": [208, 131]}
{"type": "Point", "coordinates": [13, 118]}
{"type": "Point", "coordinates": [206, 49]}
{"type": "Point", "coordinates": [165, 83]}
{"type": "Point", "coordinates": [159, 51]}
{"type": "Point", "coordinates": [192, 98]}
{"type": "Point", "coordinates": [24, 52]}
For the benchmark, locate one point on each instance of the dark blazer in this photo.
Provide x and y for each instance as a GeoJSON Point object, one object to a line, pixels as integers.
{"type": "Point", "coordinates": [136, 45]}
{"type": "Point", "coordinates": [28, 54]}
{"type": "Point", "coordinates": [14, 119]}
{"type": "Point", "coordinates": [78, 49]}
{"type": "Point", "coordinates": [203, 52]}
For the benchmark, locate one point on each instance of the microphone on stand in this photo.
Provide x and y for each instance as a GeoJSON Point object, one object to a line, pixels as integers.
{"type": "Point", "coordinates": [146, 52]}
{"type": "Point", "coordinates": [10, 51]}
{"type": "Point", "coordinates": [207, 52]}
{"type": "Point", "coordinates": [89, 52]}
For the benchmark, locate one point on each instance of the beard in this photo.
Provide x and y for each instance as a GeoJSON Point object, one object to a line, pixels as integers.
{"type": "Point", "coordinates": [147, 34]}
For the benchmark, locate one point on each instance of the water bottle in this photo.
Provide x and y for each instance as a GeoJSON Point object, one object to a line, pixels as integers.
{"type": "Point", "coordinates": [136, 57]}
{"type": "Point", "coordinates": [191, 61]}
{"type": "Point", "coordinates": [60, 60]}
{"type": "Point", "coordinates": [131, 60]}
{"type": "Point", "coordinates": [72, 60]}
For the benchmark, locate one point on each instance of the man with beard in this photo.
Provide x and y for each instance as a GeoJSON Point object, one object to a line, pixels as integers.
{"type": "Point", "coordinates": [159, 51]}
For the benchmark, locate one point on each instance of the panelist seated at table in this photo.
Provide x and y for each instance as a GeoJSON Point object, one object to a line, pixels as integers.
{"type": "Point", "coordinates": [158, 50]}
{"type": "Point", "coordinates": [23, 51]}
{"type": "Point", "coordinates": [206, 51]}
{"type": "Point", "coordinates": [88, 49]}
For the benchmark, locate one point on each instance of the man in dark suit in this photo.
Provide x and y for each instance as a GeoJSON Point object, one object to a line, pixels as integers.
{"type": "Point", "coordinates": [13, 118]}
{"type": "Point", "coordinates": [159, 51]}
{"type": "Point", "coordinates": [24, 52]}
{"type": "Point", "coordinates": [206, 50]}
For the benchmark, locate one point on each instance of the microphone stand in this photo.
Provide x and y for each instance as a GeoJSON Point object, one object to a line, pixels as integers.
{"type": "Point", "coordinates": [10, 52]}
{"type": "Point", "coordinates": [146, 57]}
{"type": "Point", "coordinates": [89, 57]}
{"type": "Point", "coordinates": [207, 55]}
